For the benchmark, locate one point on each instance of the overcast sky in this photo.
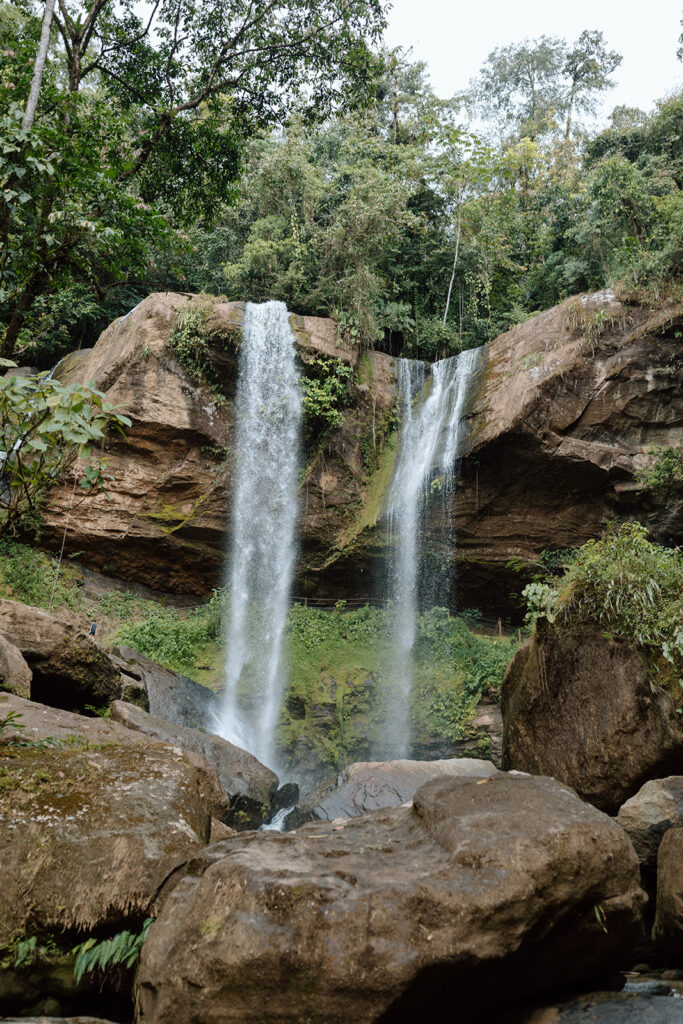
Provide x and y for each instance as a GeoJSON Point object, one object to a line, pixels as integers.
{"type": "Point", "coordinates": [454, 38]}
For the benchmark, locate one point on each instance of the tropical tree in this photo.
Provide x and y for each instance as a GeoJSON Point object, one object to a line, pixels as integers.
{"type": "Point", "coordinates": [151, 103]}
{"type": "Point", "coordinates": [44, 428]}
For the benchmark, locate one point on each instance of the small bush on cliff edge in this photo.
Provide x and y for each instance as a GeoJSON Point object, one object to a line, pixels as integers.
{"type": "Point", "coordinates": [629, 587]}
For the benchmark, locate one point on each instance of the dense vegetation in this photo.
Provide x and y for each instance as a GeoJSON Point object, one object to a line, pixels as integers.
{"type": "Point", "coordinates": [629, 588]}
{"type": "Point", "coordinates": [335, 658]}
{"type": "Point", "coordinates": [167, 151]}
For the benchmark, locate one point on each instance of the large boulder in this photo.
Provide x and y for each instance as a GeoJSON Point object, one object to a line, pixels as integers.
{"type": "Point", "coordinates": [170, 695]}
{"type": "Point", "coordinates": [481, 891]}
{"type": "Point", "coordinates": [15, 675]}
{"type": "Point", "coordinates": [368, 785]}
{"type": "Point", "coordinates": [94, 819]}
{"type": "Point", "coordinates": [88, 834]}
{"type": "Point", "coordinates": [668, 926]}
{"type": "Point", "coordinates": [584, 710]}
{"type": "Point", "coordinates": [43, 727]}
{"type": "Point", "coordinates": [249, 784]}
{"type": "Point", "coordinates": [656, 807]}
{"type": "Point", "coordinates": [69, 669]}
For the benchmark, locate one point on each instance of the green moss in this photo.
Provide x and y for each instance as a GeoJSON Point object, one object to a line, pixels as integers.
{"type": "Point", "coordinates": [171, 518]}
{"type": "Point", "coordinates": [373, 497]}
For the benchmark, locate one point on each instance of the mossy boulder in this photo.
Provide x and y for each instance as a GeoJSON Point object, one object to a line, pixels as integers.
{"type": "Point", "coordinates": [88, 834]}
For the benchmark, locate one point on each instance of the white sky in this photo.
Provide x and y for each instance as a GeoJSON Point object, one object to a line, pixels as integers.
{"type": "Point", "coordinates": [454, 38]}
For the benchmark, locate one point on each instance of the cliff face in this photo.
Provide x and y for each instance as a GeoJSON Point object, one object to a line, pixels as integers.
{"type": "Point", "coordinates": [164, 519]}
{"type": "Point", "coordinates": [561, 417]}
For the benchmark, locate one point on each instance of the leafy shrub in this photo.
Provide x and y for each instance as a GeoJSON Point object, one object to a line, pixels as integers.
{"type": "Point", "coordinates": [324, 388]}
{"type": "Point", "coordinates": [35, 578]}
{"type": "Point", "coordinates": [174, 639]}
{"type": "Point", "coordinates": [630, 588]}
{"type": "Point", "coordinates": [663, 475]}
{"type": "Point", "coordinates": [187, 341]}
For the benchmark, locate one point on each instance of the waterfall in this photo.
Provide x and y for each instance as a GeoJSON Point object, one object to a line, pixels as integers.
{"type": "Point", "coordinates": [268, 426]}
{"type": "Point", "coordinates": [429, 445]}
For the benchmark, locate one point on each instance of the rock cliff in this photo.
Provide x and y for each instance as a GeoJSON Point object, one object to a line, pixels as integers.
{"type": "Point", "coordinates": [561, 418]}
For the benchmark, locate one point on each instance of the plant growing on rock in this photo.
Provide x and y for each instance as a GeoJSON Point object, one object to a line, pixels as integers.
{"type": "Point", "coordinates": [324, 388]}
{"type": "Point", "coordinates": [45, 427]}
{"type": "Point", "coordinates": [628, 587]}
{"type": "Point", "coordinates": [663, 475]}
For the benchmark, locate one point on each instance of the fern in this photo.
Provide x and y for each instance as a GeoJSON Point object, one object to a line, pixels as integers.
{"type": "Point", "coordinates": [122, 949]}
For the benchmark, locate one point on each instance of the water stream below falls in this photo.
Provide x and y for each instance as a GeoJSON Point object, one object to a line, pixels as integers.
{"type": "Point", "coordinates": [429, 446]}
{"type": "Point", "coordinates": [263, 548]}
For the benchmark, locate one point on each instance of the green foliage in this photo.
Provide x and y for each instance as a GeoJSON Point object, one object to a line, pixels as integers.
{"type": "Point", "coordinates": [144, 112]}
{"type": "Point", "coordinates": [44, 427]}
{"type": "Point", "coordinates": [26, 952]}
{"type": "Point", "coordinates": [123, 949]}
{"type": "Point", "coordinates": [337, 663]}
{"type": "Point", "coordinates": [324, 387]}
{"type": "Point", "coordinates": [174, 640]}
{"type": "Point", "coordinates": [188, 339]}
{"type": "Point", "coordinates": [534, 88]}
{"type": "Point", "coordinates": [10, 720]}
{"type": "Point", "coordinates": [663, 476]}
{"type": "Point", "coordinates": [629, 588]}
{"type": "Point", "coordinates": [33, 577]}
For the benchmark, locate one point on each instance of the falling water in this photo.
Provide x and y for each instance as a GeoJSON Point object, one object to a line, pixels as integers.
{"type": "Point", "coordinates": [268, 424]}
{"type": "Point", "coordinates": [429, 445]}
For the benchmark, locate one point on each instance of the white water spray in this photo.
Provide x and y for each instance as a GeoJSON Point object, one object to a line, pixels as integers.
{"type": "Point", "coordinates": [268, 426]}
{"type": "Point", "coordinates": [429, 445]}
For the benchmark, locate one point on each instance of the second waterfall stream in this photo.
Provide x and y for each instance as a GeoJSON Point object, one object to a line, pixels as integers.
{"type": "Point", "coordinates": [429, 447]}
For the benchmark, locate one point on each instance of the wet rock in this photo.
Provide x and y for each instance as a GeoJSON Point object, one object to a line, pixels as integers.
{"type": "Point", "coordinates": [249, 784]}
{"type": "Point", "coordinates": [481, 892]}
{"type": "Point", "coordinates": [170, 695]}
{"type": "Point", "coordinates": [668, 926]}
{"type": "Point", "coordinates": [15, 675]}
{"type": "Point", "coordinates": [604, 1008]}
{"type": "Point", "coordinates": [582, 709]}
{"type": "Point", "coordinates": [558, 427]}
{"type": "Point", "coordinates": [368, 785]}
{"type": "Point", "coordinates": [286, 796]}
{"type": "Point", "coordinates": [656, 807]}
{"type": "Point", "coordinates": [69, 669]}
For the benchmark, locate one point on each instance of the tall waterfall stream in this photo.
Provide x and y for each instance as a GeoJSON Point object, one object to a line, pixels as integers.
{"type": "Point", "coordinates": [429, 446]}
{"type": "Point", "coordinates": [267, 455]}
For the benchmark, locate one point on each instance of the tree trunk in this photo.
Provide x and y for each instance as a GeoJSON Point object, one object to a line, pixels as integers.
{"type": "Point", "coordinates": [39, 66]}
{"type": "Point", "coordinates": [455, 262]}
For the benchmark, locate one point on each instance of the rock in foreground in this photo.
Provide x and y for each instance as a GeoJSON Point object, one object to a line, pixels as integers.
{"type": "Point", "coordinates": [668, 927]}
{"type": "Point", "coordinates": [248, 783]}
{"type": "Point", "coordinates": [655, 808]}
{"type": "Point", "coordinates": [369, 785]}
{"type": "Point", "coordinates": [483, 891]}
{"type": "Point", "coordinates": [582, 709]}
{"type": "Point", "coordinates": [89, 833]}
